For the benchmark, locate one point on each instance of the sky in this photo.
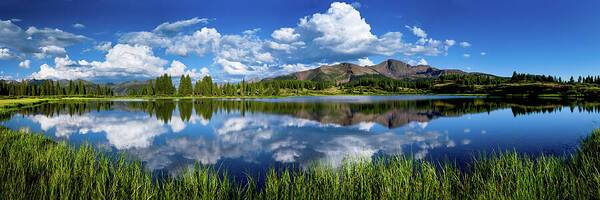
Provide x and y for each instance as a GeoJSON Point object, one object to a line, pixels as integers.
{"type": "Point", "coordinates": [118, 40]}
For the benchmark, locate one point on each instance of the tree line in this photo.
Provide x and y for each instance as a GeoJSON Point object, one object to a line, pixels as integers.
{"type": "Point", "coordinates": [522, 77]}
{"type": "Point", "coordinates": [163, 86]}
{"type": "Point", "coordinates": [52, 88]}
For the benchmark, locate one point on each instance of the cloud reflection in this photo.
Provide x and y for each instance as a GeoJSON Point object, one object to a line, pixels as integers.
{"type": "Point", "coordinates": [285, 138]}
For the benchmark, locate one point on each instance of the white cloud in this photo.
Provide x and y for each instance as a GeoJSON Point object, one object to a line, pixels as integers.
{"type": "Point", "coordinates": [199, 42]}
{"type": "Point", "coordinates": [25, 64]}
{"type": "Point", "coordinates": [339, 34]}
{"type": "Point", "coordinates": [103, 46]}
{"type": "Point", "coordinates": [5, 54]}
{"type": "Point", "coordinates": [78, 26]}
{"type": "Point", "coordinates": [120, 61]}
{"type": "Point", "coordinates": [33, 40]}
{"type": "Point", "coordinates": [177, 68]}
{"type": "Point", "coordinates": [251, 31]}
{"type": "Point", "coordinates": [466, 55]}
{"type": "Point", "coordinates": [483, 53]}
{"type": "Point", "coordinates": [365, 62]}
{"type": "Point", "coordinates": [51, 50]}
{"type": "Point", "coordinates": [341, 29]}
{"type": "Point", "coordinates": [421, 61]}
{"type": "Point", "coordinates": [169, 27]}
{"type": "Point", "coordinates": [121, 132]}
{"type": "Point", "coordinates": [233, 67]}
{"type": "Point", "coordinates": [465, 44]}
{"type": "Point", "coordinates": [417, 31]}
{"type": "Point", "coordinates": [290, 68]}
{"type": "Point", "coordinates": [204, 72]}
{"type": "Point", "coordinates": [54, 37]}
{"type": "Point", "coordinates": [243, 55]}
{"type": "Point", "coordinates": [285, 35]}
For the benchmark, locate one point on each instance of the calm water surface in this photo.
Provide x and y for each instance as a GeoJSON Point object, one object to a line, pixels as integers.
{"type": "Point", "coordinates": [250, 136]}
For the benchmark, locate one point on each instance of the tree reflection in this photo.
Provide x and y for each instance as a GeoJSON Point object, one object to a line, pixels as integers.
{"type": "Point", "coordinates": [390, 113]}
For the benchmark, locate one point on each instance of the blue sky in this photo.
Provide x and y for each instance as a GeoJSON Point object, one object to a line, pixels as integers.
{"type": "Point", "coordinates": [234, 40]}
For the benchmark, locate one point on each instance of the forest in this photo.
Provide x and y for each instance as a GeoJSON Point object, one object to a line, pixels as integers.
{"type": "Point", "coordinates": [164, 86]}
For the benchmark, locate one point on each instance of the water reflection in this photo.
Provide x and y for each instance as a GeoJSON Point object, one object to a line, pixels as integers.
{"type": "Point", "coordinates": [171, 135]}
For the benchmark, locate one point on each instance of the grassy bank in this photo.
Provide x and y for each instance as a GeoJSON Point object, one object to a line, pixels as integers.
{"type": "Point", "coordinates": [35, 167]}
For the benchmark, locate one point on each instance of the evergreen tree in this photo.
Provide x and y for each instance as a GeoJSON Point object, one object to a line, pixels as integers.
{"type": "Point", "coordinates": [185, 86]}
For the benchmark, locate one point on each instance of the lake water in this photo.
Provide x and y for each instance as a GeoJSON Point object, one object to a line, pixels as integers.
{"type": "Point", "coordinates": [252, 135]}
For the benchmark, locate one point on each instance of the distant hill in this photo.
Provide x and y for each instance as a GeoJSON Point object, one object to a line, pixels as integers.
{"type": "Point", "coordinates": [124, 87]}
{"type": "Point", "coordinates": [345, 72]}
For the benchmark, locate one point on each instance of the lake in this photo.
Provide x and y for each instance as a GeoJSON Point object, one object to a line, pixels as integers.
{"type": "Point", "coordinates": [249, 136]}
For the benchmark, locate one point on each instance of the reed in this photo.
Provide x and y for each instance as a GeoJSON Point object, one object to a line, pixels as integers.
{"type": "Point", "coordinates": [35, 167]}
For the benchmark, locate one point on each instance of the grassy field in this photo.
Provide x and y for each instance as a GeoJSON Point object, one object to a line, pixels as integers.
{"type": "Point", "coordinates": [35, 167]}
{"type": "Point", "coordinates": [4, 103]}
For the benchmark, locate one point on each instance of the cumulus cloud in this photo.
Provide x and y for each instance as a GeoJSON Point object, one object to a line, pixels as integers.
{"type": "Point", "coordinates": [285, 35]}
{"type": "Point", "coordinates": [466, 55]}
{"type": "Point", "coordinates": [233, 67]}
{"type": "Point", "coordinates": [121, 61]}
{"type": "Point", "coordinates": [199, 42]}
{"type": "Point", "coordinates": [177, 68]}
{"type": "Point", "coordinates": [338, 34]}
{"type": "Point", "coordinates": [25, 64]}
{"type": "Point", "coordinates": [341, 29]}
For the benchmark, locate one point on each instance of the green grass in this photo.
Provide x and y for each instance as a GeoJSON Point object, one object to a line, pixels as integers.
{"type": "Point", "coordinates": [35, 167]}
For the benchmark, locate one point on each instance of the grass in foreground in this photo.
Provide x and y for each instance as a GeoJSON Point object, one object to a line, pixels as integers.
{"type": "Point", "coordinates": [35, 167]}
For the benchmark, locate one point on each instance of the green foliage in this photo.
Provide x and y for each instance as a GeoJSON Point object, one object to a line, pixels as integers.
{"type": "Point", "coordinates": [163, 86]}
{"type": "Point", "coordinates": [205, 87]}
{"type": "Point", "coordinates": [185, 86]}
{"type": "Point", "coordinates": [521, 78]}
{"type": "Point", "coordinates": [34, 167]}
{"type": "Point", "coordinates": [52, 88]}
{"type": "Point", "coordinates": [471, 79]}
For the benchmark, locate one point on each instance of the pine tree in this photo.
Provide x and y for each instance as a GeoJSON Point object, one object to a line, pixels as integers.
{"type": "Point", "coordinates": [185, 86]}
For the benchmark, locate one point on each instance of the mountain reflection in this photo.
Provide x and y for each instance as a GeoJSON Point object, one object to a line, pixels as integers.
{"type": "Point", "coordinates": [169, 135]}
{"type": "Point", "coordinates": [391, 114]}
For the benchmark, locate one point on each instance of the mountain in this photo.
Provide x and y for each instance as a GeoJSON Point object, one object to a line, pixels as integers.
{"type": "Point", "coordinates": [124, 87]}
{"type": "Point", "coordinates": [345, 72]}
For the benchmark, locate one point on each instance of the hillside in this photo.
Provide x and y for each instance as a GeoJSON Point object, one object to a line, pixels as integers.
{"type": "Point", "coordinates": [345, 72]}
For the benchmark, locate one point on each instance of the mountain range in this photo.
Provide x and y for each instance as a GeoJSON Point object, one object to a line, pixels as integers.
{"type": "Point", "coordinates": [345, 72]}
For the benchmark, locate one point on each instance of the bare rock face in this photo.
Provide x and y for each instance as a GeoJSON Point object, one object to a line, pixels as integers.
{"type": "Point", "coordinates": [344, 72]}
